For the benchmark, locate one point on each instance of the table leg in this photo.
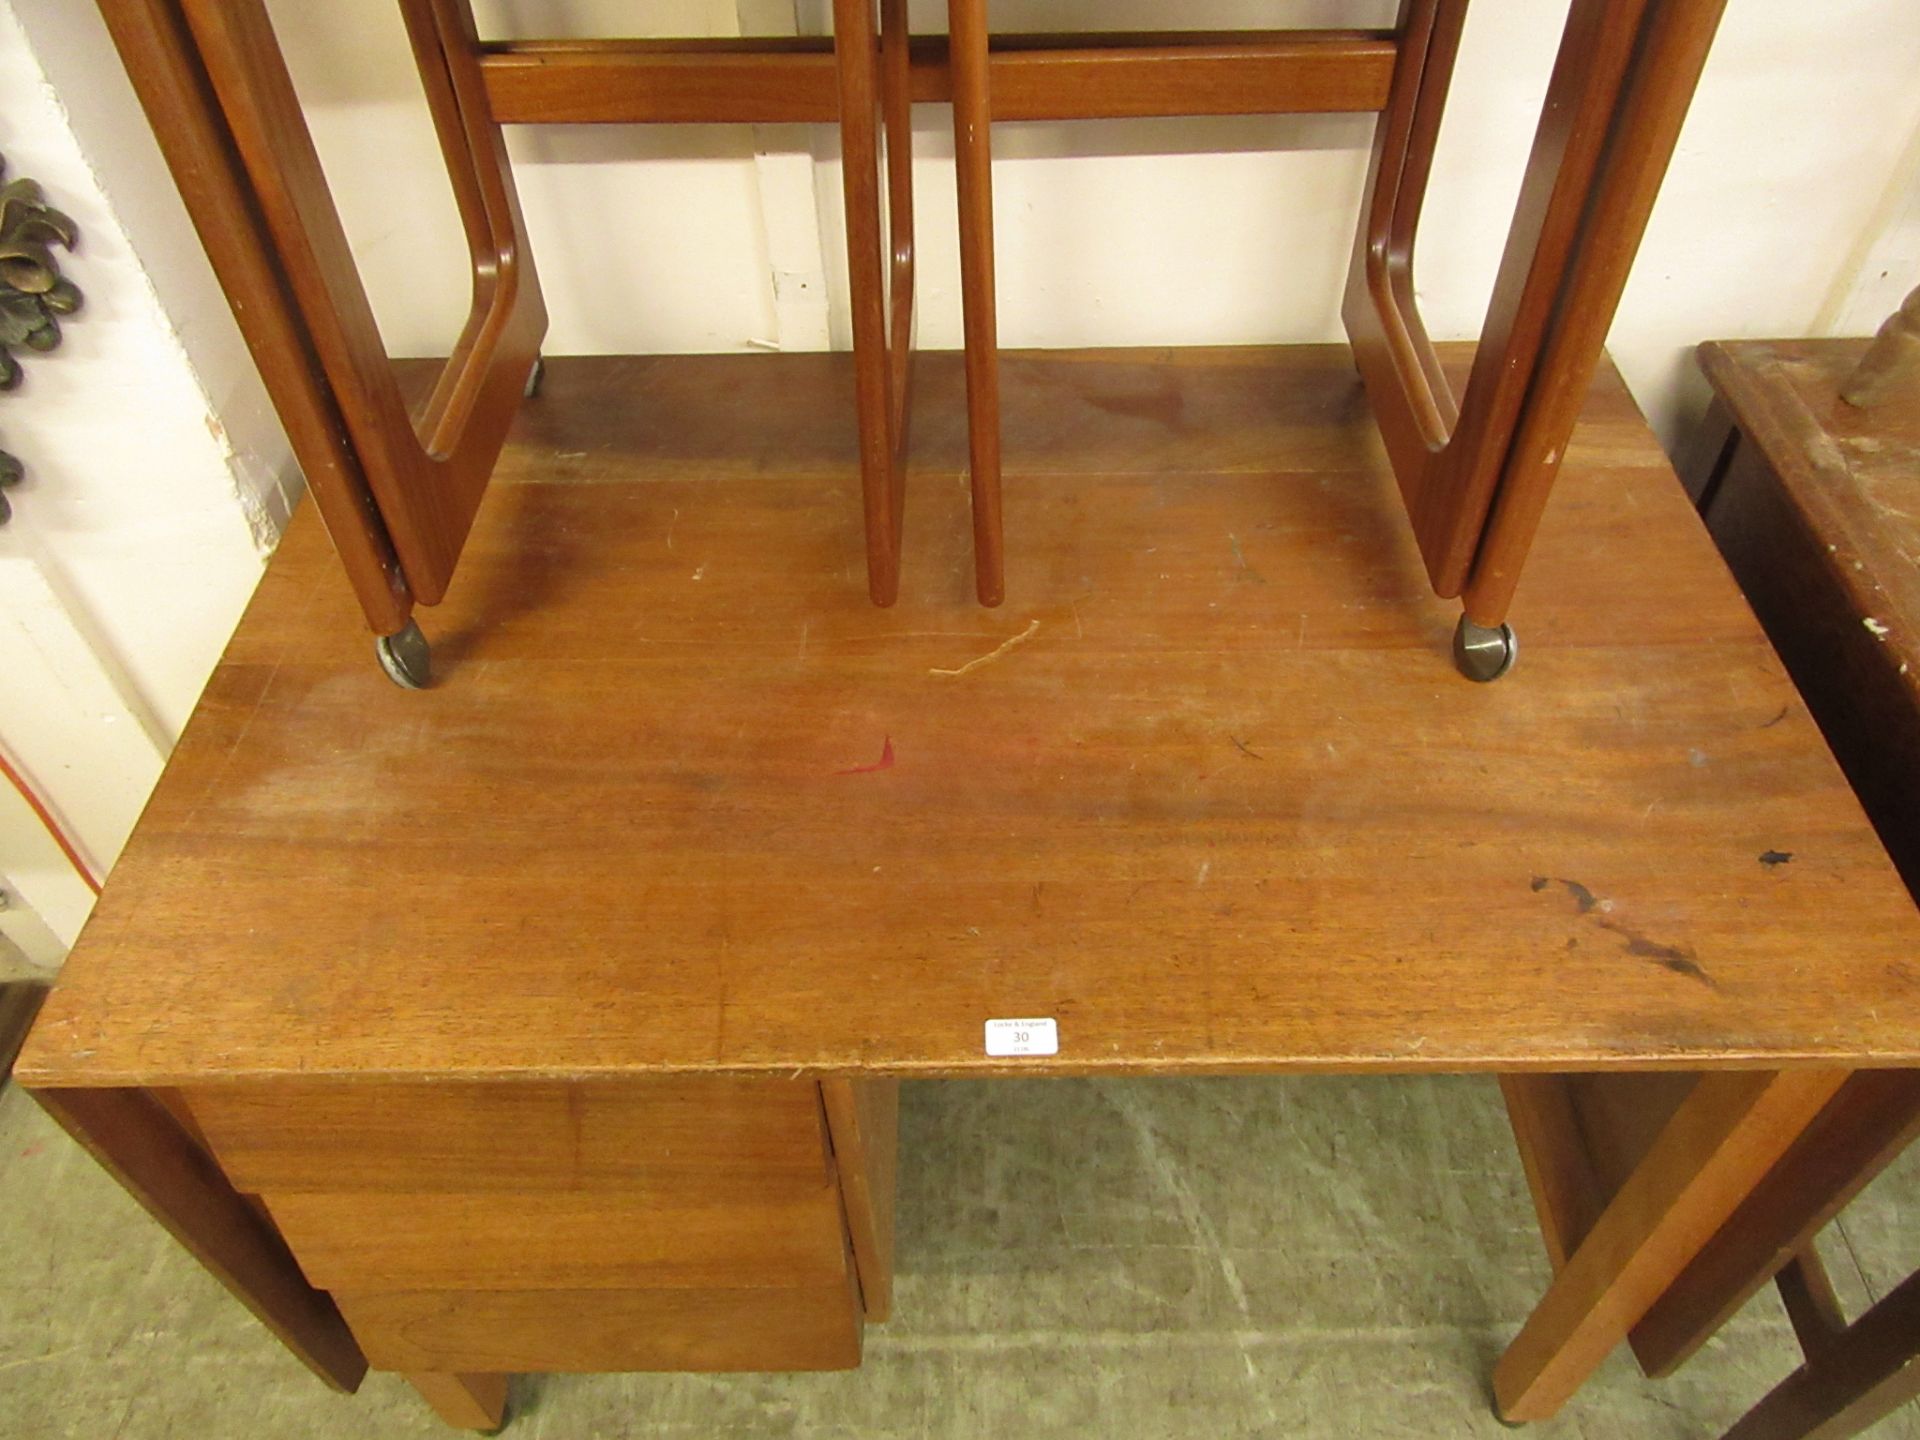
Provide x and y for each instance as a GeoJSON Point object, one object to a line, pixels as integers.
{"type": "Point", "coordinates": [1719, 1145]}
{"type": "Point", "coordinates": [881, 285]}
{"type": "Point", "coordinates": [973, 166]}
{"type": "Point", "coordinates": [468, 1402]}
{"type": "Point", "coordinates": [1855, 1378]}
{"type": "Point", "coordinates": [863, 1119]}
{"type": "Point", "coordinates": [143, 1146]}
{"type": "Point", "coordinates": [1875, 1116]}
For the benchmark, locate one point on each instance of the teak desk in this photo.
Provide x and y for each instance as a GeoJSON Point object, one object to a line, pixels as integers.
{"type": "Point", "coordinates": [550, 1019]}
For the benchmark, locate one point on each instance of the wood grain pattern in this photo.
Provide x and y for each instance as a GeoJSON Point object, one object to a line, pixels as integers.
{"type": "Point", "coordinates": [705, 865]}
{"type": "Point", "coordinates": [697, 1138]}
{"type": "Point", "coordinates": [1034, 77]}
{"type": "Point", "coordinates": [1724, 1137]}
{"type": "Point", "coordinates": [176, 1182]}
{"type": "Point", "coordinates": [562, 1240]}
{"type": "Point", "coordinates": [814, 1327]}
{"type": "Point", "coordinates": [863, 1117]}
{"type": "Point", "coordinates": [1804, 495]}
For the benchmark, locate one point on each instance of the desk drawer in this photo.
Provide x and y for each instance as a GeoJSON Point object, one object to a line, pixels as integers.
{"type": "Point", "coordinates": [711, 1137]}
{"type": "Point", "coordinates": [815, 1327]}
{"type": "Point", "coordinates": [555, 1240]}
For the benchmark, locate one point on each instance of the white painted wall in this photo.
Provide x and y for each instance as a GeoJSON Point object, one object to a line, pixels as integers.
{"type": "Point", "coordinates": [1791, 181]}
{"type": "Point", "coordinates": [160, 476]}
{"type": "Point", "coordinates": [157, 476]}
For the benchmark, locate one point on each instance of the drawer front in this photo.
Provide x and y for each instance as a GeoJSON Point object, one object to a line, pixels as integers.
{"type": "Point", "coordinates": [814, 1327]}
{"type": "Point", "coordinates": [553, 1240]}
{"type": "Point", "coordinates": [708, 1136]}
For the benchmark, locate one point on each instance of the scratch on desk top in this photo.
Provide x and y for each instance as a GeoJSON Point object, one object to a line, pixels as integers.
{"type": "Point", "coordinates": [1033, 628]}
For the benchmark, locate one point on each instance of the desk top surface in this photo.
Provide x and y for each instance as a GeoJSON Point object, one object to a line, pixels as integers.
{"type": "Point", "coordinates": [1206, 791]}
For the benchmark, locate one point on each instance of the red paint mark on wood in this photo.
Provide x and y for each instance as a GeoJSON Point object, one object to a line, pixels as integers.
{"type": "Point", "coordinates": [885, 762]}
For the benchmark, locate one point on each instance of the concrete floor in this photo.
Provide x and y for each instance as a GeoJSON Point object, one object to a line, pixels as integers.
{"type": "Point", "coordinates": [1217, 1258]}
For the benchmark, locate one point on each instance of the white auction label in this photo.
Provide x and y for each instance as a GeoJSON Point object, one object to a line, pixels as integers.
{"type": "Point", "coordinates": [1022, 1037]}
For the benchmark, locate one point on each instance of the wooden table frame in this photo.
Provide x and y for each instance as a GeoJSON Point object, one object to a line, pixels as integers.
{"type": "Point", "coordinates": [1626, 1237]}
{"type": "Point", "coordinates": [1615, 1254]}
{"type": "Point", "coordinates": [1475, 473]}
{"type": "Point", "coordinates": [398, 499]}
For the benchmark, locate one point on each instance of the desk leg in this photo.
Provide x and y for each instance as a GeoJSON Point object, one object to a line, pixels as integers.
{"type": "Point", "coordinates": [1875, 1116]}
{"type": "Point", "coordinates": [1719, 1145]}
{"type": "Point", "coordinates": [467, 1402]}
{"type": "Point", "coordinates": [863, 1121]}
{"type": "Point", "coordinates": [143, 1146]}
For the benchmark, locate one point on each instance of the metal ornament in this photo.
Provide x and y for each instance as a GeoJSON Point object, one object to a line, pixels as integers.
{"type": "Point", "coordinates": [33, 293]}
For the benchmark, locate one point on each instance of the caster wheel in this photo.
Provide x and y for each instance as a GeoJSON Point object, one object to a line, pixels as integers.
{"type": "Point", "coordinates": [535, 377]}
{"type": "Point", "coordinates": [1483, 653]}
{"type": "Point", "coordinates": [406, 657]}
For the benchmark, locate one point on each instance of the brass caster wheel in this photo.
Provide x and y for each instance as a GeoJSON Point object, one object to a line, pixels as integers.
{"type": "Point", "coordinates": [1484, 653]}
{"type": "Point", "coordinates": [536, 377]}
{"type": "Point", "coordinates": [406, 657]}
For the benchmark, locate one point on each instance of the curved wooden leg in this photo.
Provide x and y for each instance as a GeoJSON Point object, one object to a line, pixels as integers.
{"type": "Point", "coordinates": [973, 157]}
{"type": "Point", "coordinates": [1475, 476]}
{"type": "Point", "coordinates": [427, 479]}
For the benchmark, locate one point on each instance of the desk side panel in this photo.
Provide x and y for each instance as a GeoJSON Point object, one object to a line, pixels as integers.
{"type": "Point", "coordinates": [136, 1138]}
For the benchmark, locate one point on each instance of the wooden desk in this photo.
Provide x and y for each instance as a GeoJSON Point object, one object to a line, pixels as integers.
{"type": "Point", "coordinates": [519, 1003]}
{"type": "Point", "coordinates": [1807, 497]}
